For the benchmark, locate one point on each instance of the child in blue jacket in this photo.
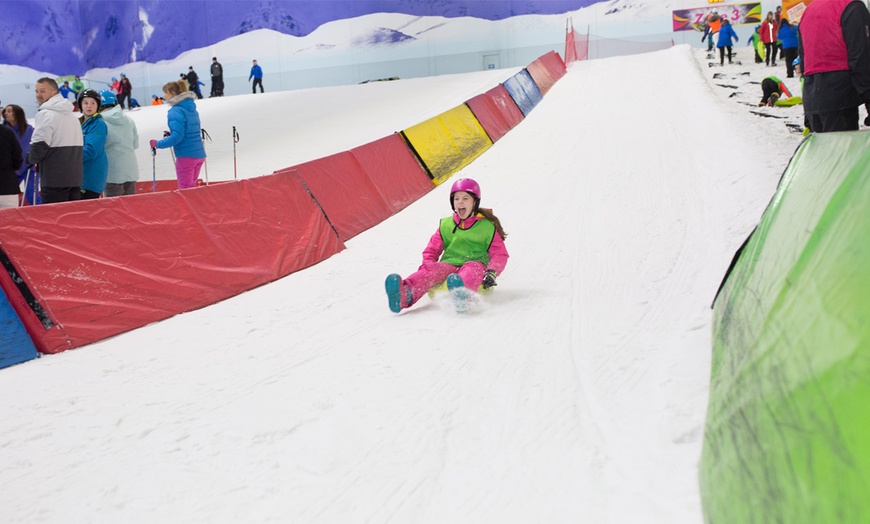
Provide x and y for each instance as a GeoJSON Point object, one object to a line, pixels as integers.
{"type": "Point", "coordinates": [726, 34]}
{"type": "Point", "coordinates": [95, 164]}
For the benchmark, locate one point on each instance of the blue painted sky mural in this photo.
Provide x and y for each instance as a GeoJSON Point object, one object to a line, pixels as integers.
{"type": "Point", "coordinates": [73, 36]}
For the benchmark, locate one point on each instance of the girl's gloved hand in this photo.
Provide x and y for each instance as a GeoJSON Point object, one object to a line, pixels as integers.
{"type": "Point", "coordinates": [489, 279]}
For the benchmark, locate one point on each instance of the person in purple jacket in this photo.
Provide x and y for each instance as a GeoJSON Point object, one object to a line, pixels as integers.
{"type": "Point", "coordinates": [14, 118]}
{"type": "Point", "coordinates": [834, 50]}
{"type": "Point", "coordinates": [467, 250]}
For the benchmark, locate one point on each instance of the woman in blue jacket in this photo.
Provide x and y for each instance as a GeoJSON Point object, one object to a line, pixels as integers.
{"type": "Point", "coordinates": [95, 164]}
{"type": "Point", "coordinates": [726, 33]}
{"type": "Point", "coordinates": [185, 134]}
{"type": "Point", "coordinates": [789, 36]}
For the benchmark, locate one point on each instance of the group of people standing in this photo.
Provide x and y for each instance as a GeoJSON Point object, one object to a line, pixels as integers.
{"type": "Point", "coordinates": [830, 49]}
{"type": "Point", "coordinates": [775, 36]}
{"type": "Point", "coordinates": [63, 157]}
{"type": "Point", "coordinates": [191, 79]}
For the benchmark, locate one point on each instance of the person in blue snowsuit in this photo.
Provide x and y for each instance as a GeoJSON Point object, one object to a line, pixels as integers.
{"type": "Point", "coordinates": [257, 75]}
{"type": "Point", "coordinates": [726, 34]}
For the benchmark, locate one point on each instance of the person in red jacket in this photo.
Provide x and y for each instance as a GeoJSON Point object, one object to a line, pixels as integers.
{"type": "Point", "coordinates": [834, 51]}
{"type": "Point", "coordinates": [769, 28]}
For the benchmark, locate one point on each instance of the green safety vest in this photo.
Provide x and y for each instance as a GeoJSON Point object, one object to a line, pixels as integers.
{"type": "Point", "coordinates": [465, 245]}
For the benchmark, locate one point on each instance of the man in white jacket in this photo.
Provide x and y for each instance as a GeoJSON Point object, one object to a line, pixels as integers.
{"type": "Point", "coordinates": [56, 145]}
{"type": "Point", "coordinates": [122, 141]}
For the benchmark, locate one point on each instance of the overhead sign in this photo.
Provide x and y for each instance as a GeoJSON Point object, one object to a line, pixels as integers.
{"type": "Point", "coordinates": [794, 9]}
{"type": "Point", "coordinates": [737, 14]}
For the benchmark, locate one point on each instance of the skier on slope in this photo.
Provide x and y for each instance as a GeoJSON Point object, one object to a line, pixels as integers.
{"type": "Point", "coordinates": [465, 250]}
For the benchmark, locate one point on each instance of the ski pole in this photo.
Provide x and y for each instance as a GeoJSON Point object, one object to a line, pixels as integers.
{"type": "Point", "coordinates": [235, 141]}
{"type": "Point", "coordinates": [26, 185]}
{"type": "Point", "coordinates": [154, 168]}
{"type": "Point", "coordinates": [171, 149]}
{"type": "Point", "coordinates": [204, 136]}
{"type": "Point", "coordinates": [36, 184]}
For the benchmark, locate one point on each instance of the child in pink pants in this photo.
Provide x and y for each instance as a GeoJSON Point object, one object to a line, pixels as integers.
{"type": "Point", "coordinates": [469, 243]}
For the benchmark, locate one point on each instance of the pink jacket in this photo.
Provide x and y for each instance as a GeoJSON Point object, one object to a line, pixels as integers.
{"type": "Point", "coordinates": [824, 50]}
{"type": "Point", "coordinates": [498, 255]}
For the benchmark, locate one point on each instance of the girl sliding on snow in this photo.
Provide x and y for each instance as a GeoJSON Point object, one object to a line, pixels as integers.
{"type": "Point", "coordinates": [467, 250]}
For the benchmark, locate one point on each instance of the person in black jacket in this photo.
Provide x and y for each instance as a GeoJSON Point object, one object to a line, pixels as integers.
{"type": "Point", "coordinates": [10, 161]}
{"type": "Point", "coordinates": [217, 78]}
{"type": "Point", "coordinates": [193, 81]}
{"type": "Point", "coordinates": [834, 49]}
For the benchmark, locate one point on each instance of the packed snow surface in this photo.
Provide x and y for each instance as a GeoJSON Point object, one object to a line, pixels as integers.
{"type": "Point", "coordinates": [575, 392]}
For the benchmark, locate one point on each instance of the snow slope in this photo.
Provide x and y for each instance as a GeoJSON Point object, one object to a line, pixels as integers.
{"type": "Point", "coordinates": [574, 393]}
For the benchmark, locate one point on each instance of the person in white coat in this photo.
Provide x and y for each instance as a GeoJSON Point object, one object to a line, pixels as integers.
{"type": "Point", "coordinates": [56, 145]}
{"type": "Point", "coordinates": [122, 142]}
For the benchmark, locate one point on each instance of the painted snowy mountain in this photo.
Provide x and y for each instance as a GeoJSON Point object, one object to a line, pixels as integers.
{"type": "Point", "coordinates": [72, 36]}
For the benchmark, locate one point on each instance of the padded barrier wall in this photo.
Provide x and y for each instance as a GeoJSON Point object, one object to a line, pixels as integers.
{"type": "Point", "coordinates": [162, 254]}
{"type": "Point", "coordinates": [448, 142]}
{"type": "Point", "coordinates": [787, 436]}
{"type": "Point", "coordinates": [496, 112]}
{"type": "Point", "coordinates": [15, 343]}
{"type": "Point", "coordinates": [360, 188]}
{"type": "Point", "coordinates": [523, 90]}
{"type": "Point", "coordinates": [121, 263]}
{"type": "Point", "coordinates": [546, 71]}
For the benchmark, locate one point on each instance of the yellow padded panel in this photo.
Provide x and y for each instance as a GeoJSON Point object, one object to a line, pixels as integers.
{"type": "Point", "coordinates": [448, 142]}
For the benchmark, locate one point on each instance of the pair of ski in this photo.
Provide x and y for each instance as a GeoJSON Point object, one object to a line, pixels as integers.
{"type": "Point", "coordinates": [461, 296]}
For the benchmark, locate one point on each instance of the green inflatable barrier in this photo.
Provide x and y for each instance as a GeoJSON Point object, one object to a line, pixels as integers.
{"type": "Point", "coordinates": [787, 436]}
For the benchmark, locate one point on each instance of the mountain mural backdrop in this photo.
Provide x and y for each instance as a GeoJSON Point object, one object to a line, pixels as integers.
{"type": "Point", "coordinates": [73, 36]}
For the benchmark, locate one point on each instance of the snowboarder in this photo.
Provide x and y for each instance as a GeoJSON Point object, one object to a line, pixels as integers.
{"type": "Point", "coordinates": [467, 250]}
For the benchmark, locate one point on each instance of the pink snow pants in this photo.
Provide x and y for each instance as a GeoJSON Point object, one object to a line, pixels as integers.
{"type": "Point", "coordinates": [432, 274]}
{"type": "Point", "coordinates": [187, 171]}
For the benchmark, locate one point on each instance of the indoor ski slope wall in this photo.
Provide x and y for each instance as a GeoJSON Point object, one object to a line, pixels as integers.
{"type": "Point", "coordinates": [122, 263]}
{"type": "Point", "coordinates": [787, 437]}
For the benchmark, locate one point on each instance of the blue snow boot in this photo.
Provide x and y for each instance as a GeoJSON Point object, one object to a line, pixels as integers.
{"type": "Point", "coordinates": [462, 297]}
{"type": "Point", "coordinates": [454, 281]}
{"type": "Point", "coordinates": [398, 294]}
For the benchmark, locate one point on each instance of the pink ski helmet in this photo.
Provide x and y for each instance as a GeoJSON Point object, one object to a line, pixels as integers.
{"type": "Point", "coordinates": [469, 186]}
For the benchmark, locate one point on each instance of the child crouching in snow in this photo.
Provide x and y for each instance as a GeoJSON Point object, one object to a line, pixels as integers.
{"type": "Point", "coordinates": [467, 250]}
